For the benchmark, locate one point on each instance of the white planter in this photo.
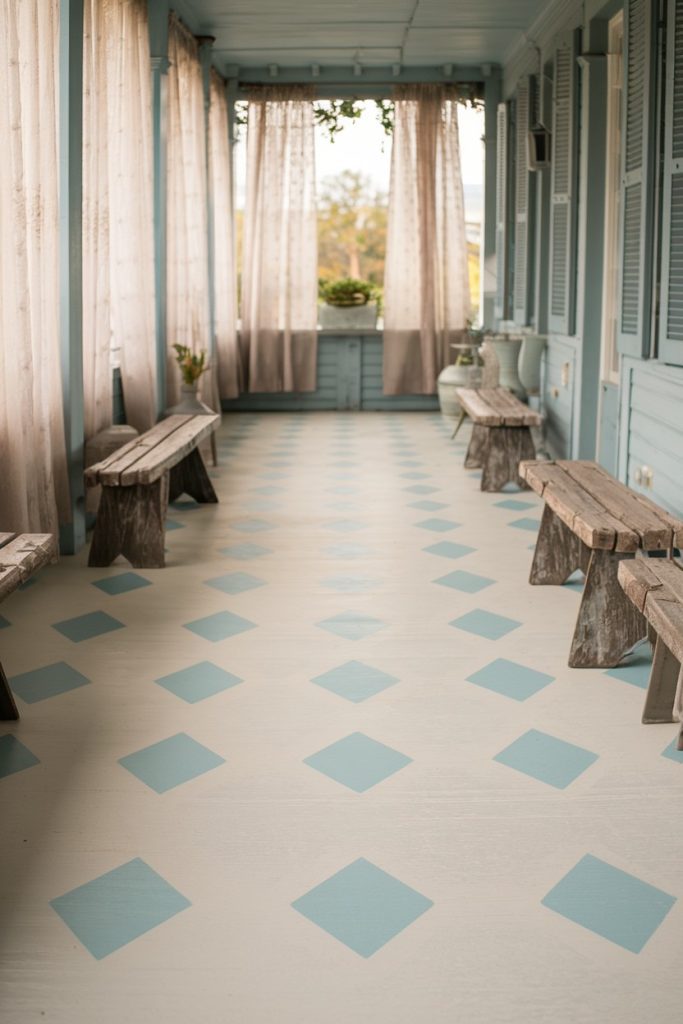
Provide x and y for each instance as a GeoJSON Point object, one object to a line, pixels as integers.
{"type": "Point", "coordinates": [507, 353]}
{"type": "Point", "coordinates": [529, 365]}
{"type": "Point", "coordinates": [190, 404]}
{"type": "Point", "coordinates": [348, 318]}
{"type": "Point", "coordinates": [450, 378]}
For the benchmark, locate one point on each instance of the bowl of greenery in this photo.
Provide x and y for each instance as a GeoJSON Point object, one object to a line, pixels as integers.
{"type": "Point", "coordinates": [347, 304]}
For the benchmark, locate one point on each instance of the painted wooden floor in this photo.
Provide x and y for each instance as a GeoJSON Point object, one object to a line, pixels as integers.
{"type": "Point", "coordinates": [329, 765]}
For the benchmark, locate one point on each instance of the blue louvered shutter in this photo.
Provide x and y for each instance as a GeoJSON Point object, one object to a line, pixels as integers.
{"type": "Point", "coordinates": [524, 207]}
{"type": "Point", "coordinates": [501, 304]}
{"type": "Point", "coordinates": [563, 214]}
{"type": "Point", "coordinates": [636, 213]}
{"type": "Point", "coordinates": [671, 306]}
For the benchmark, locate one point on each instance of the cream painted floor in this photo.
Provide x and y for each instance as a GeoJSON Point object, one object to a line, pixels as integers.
{"type": "Point", "coordinates": [513, 856]}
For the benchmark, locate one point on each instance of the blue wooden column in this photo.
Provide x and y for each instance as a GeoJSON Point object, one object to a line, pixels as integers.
{"type": "Point", "coordinates": [158, 41]}
{"type": "Point", "coordinates": [492, 97]}
{"type": "Point", "coordinates": [205, 45]}
{"type": "Point", "coordinates": [72, 533]}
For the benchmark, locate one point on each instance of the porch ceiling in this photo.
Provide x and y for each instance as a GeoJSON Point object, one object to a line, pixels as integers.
{"type": "Point", "coordinates": [251, 33]}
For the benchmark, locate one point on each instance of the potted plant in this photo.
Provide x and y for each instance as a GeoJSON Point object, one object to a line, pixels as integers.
{"type": "Point", "coordinates": [348, 304]}
{"type": "Point", "coordinates": [192, 366]}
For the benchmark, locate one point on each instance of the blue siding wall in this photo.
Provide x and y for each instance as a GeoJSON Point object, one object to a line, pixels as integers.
{"type": "Point", "coordinates": [652, 430]}
{"type": "Point", "coordinates": [558, 396]}
{"type": "Point", "coordinates": [609, 427]}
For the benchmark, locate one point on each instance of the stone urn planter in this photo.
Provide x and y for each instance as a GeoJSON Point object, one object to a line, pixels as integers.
{"type": "Point", "coordinates": [348, 318]}
{"type": "Point", "coordinates": [507, 349]}
{"type": "Point", "coordinates": [529, 367]}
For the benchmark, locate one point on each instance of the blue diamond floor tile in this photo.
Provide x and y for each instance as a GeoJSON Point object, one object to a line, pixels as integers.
{"type": "Point", "coordinates": [345, 551]}
{"type": "Point", "coordinates": [672, 752]}
{"type": "Point", "coordinates": [184, 505]}
{"type": "Point", "coordinates": [219, 626]}
{"type": "Point", "coordinates": [172, 524]}
{"type": "Point", "coordinates": [343, 489]}
{"type": "Point", "coordinates": [547, 758]}
{"type": "Point", "coordinates": [358, 762]}
{"type": "Point", "coordinates": [352, 625]}
{"type": "Point", "coordinates": [438, 525]}
{"type": "Point", "coordinates": [421, 489]}
{"type": "Point", "coordinates": [119, 906]}
{"type": "Point", "coordinates": [362, 906]}
{"type": "Point", "coordinates": [49, 681]}
{"type": "Point", "coordinates": [533, 525]}
{"type": "Point", "coordinates": [511, 679]}
{"type": "Point", "coordinates": [4, 623]}
{"type": "Point", "coordinates": [467, 582]}
{"type": "Point", "coordinates": [244, 552]}
{"type": "Point", "coordinates": [14, 756]}
{"type": "Point", "coordinates": [122, 583]}
{"type": "Point", "coordinates": [171, 762]}
{"type": "Point", "coordinates": [251, 525]}
{"type": "Point", "coordinates": [27, 584]}
{"type": "Point", "coordinates": [410, 463]}
{"type": "Point", "coordinates": [486, 624]}
{"type": "Point", "coordinates": [634, 669]}
{"type": "Point", "coordinates": [448, 549]}
{"type": "Point", "coordinates": [86, 627]}
{"type": "Point", "coordinates": [235, 582]}
{"type": "Point", "coordinates": [346, 526]}
{"type": "Point", "coordinates": [197, 682]}
{"type": "Point", "coordinates": [428, 506]}
{"type": "Point", "coordinates": [350, 584]}
{"type": "Point", "coordinates": [514, 504]}
{"type": "Point", "coordinates": [415, 474]}
{"type": "Point", "coordinates": [610, 902]}
{"type": "Point", "coordinates": [355, 681]}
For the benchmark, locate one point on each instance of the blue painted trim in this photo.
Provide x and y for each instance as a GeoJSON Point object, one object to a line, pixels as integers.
{"type": "Point", "coordinates": [492, 97]}
{"type": "Point", "coordinates": [158, 41]}
{"type": "Point", "coordinates": [72, 534]}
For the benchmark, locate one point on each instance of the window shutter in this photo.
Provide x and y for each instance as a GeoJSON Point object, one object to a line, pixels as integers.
{"type": "Point", "coordinates": [563, 220]}
{"type": "Point", "coordinates": [671, 309]}
{"type": "Point", "coordinates": [501, 304]}
{"type": "Point", "coordinates": [636, 213]}
{"type": "Point", "coordinates": [524, 206]}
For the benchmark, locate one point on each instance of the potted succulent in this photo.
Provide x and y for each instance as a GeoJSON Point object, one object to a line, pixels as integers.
{"type": "Point", "coordinates": [347, 304]}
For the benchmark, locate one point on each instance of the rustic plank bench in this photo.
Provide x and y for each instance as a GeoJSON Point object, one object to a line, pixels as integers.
{"type": "Point", "coordinates": [592, 522]}
{"type": "Point", "coordinates": [655, 586]}
{"type": "Point", "coordinates": [501, 435]}
{"type": "Point", "coordinates": [20, 556]}
{"type": "Point", "coordinates": [138, 481]}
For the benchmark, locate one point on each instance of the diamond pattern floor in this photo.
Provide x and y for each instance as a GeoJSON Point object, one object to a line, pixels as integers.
{"type": "Point", "coordinates": [330, 765]}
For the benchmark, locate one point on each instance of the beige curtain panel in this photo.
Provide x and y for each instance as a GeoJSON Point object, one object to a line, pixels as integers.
{"type": "Point", "coordinates": [187, 305]}
{"type": "Point", "coordinates": [426, 288]}
{"type": "Point", "coordinates": [33, 474]}
{"type": "Point", "coordinates": [118, 239]}
{"type": "Point", "coordinates": [223, 241]}
{"type": "Point", "coordinates": [280, 265]}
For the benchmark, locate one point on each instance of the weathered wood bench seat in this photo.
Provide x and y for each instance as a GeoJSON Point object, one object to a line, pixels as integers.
{"type": "Point", "coordinates": [501, 435]}
{"type": "Point", "coordinates": [20, 556]}
{"type": "Point", "coordinates": [655, 586]}
{"type": "Point", "coordinates": [138, 481]}
{"type": "Point", "coordinates": [592, 522]}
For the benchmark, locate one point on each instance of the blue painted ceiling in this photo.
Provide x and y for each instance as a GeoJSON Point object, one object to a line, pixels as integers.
{"type": "Point", "coordinates": [293, 33]}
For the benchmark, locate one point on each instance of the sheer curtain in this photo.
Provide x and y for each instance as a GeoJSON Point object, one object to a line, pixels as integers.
{"type": "Point", "coordinates": [426, 288]}
{"type": "Point", "coordinates": [187, 235]}
{"type": "Point", "coordinates": [33, 474]}
{"type": "Point", "coordinates": [225, 279]}
{"type": "Point", "coordinates": [118, 241]}
{"type": "Point", "coordinates": [280, 265]}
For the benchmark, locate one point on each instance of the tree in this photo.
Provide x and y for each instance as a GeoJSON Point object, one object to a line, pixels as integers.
{"type": "Point", "coordinates": [352, 228]}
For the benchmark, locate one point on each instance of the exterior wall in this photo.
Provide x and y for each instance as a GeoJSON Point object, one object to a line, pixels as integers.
{"type": "Point", "coordinates": [349, 377]}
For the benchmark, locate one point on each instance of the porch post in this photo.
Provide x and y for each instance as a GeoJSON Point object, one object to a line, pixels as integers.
{"type": "Point", "coordinates": [72, 534]}
{"type": "Point", "coordinates": [492, 97]}
{"type": "Point", "coordinates": [591, 251]}
{"type": "Point", "coordinates": [158, 39]}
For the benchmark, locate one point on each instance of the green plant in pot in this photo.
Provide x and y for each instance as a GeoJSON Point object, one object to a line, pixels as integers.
{"type": "Point", "coordinates": [192, 364]}
{"type": "Point", "coordinates": [347, 304]}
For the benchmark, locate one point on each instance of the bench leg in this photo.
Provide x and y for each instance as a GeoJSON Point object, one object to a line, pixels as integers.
{"type": "Point", "coordinates": [507, 447]}
{"type": "Point", "coordinates": [608, 624]}
{"type": "Point", "coordinates": [190, 477]}
{"type": "Point", "coordinates": [476, 450]}
{"type": "Point", "coordinates": [8, 709]}
{"type": "Point", "coordinates": [461, 419]}
{"type": "Point", "coordinates": [661, 690]}
{"type": "Point", "coordinates": [131, 522]}
{"type": "Point", "coordinates": [559, 552]}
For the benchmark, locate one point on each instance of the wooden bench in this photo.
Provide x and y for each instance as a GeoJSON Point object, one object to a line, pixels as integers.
{"type": "Point", "coordinates": [138, 481]}
{"type": "Point", "coordinates": [655, 586]}
{"type": "Point", "coordinates": [20, 556]}
{"type": "Point", "coordinates": [592, 522]}
{"type": "Point", "coordinates": [501, 435]}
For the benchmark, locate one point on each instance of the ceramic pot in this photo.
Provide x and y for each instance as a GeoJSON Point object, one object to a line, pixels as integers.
{"type": "Point", "coordinates": [507, 353]}
{"type": "Point", "coordinates": [348, 318]}
{"type": "Point", "coordinates": [450, 378]}
{"type": "Point", "coordinates": [529, 366]}
{"type": "Point", "coordinates": [189, 404]}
